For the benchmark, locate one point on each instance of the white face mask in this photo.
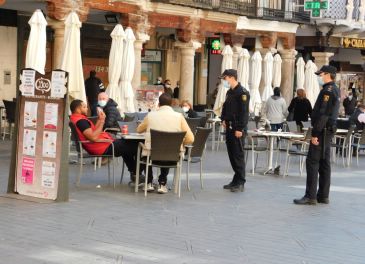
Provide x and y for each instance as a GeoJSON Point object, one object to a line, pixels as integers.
{"type": "Point", "coordinates": [158, 81]}
{"type": "Point", "coordinates": [320, 80]}
{"type": "Point", "coordinates": [350, 97]}
{"type": "Point", "coordinates": [226, 84]}
{"type": "Point", "coordinates": [185, 109]}
{"type": "Point", "coordinates": [102, 103]}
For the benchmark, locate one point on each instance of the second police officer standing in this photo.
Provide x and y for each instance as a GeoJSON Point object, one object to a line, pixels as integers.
{"type": "Point", "coordinates": [234, 117]}
{"type": "Point", "coordinates": [324, 116]}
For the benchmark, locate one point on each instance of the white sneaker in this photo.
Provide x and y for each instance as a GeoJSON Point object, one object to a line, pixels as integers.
{"type": "Point", "coordinates": [162, 189]}
{"type": "Point", "coordinates": [149, 187]}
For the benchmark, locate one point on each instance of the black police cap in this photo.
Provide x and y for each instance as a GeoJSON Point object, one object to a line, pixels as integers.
{"type": "Point", "coordinates": [230, 73]}
{"type": "Point", "coordinates": [327, 69]}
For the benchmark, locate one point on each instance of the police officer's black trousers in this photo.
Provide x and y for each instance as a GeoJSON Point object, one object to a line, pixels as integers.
{"type": "Point", "coordinates": [236, 156]}
{"type": "Point", "coordinates": [319, 162]}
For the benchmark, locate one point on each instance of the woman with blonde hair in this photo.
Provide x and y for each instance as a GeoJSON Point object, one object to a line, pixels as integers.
{"type": "Point", "coordinates": [300, 107]}
{"type": "Point", "coordinates": [188, 109]}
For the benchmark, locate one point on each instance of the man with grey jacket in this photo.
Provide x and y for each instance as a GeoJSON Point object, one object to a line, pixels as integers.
{"type": "Point", "coordinates": [276, 110]}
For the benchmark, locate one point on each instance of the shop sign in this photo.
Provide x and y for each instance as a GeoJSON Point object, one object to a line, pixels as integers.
{"type": "Point", "coordinates": [215, 47]}
{"type": "Point", "coordinates": [152, 56]}
{"type": "Point", "coordinates": [315, 7]}
{"type": "Point", "coordinates": [353, 43]}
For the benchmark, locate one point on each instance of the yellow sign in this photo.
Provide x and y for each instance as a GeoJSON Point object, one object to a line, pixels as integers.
{"type": "Point", "coordinates": [353, 43]}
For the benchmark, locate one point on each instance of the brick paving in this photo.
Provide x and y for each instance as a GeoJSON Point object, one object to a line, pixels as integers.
{"type": "Point", "coordinates": [260, 225]}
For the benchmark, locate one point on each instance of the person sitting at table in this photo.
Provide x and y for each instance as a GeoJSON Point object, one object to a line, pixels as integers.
{"type": "Point", "coordinates": [357, 119]}
{"type": "Point", "coordinates": [349, 104]}
{"type": "Point", "coordinates": [110, 109]}
{"type": "Point", "coordinates": [100, 141]}
{"type": "Point", "coordinates": [164, 119]}
{"type": "Point", "coordinates": [276, 110]}
{"type": "Point", "coordinates": [188, 109]}
{"type": "Point", "coordinates": [175, 104]}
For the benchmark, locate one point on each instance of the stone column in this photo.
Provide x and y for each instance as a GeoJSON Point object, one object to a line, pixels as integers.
{"type": "Point", "coordinates": [287, 73]}
{"type": "Point", "coordinates": [187, 51]}
{"type": "Point", "coordinates": [237, 48]}
{"type": "Point", "coordinates": [138, 46]}
{"type": "Point", "coordinates": [58, 36]}
{"type": "Point", "coordinates": [322, 58]}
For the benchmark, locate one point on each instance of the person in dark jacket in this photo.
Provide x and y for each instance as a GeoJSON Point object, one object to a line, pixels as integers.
{"type": "Point", "coordinates": [188, 109]}
{"type": "Point", "coordinates": [110, 109]}
{"type": "Point", "coordinates": [354, 118]}
{"type": "Point", "coordinates": [176, 90]}
{"type": "Point", "coordinates": [301, 107]}
{"type": "Point", "coordinates": [93, 86]}
{"type": "Point", "coordinates": [349, 104]}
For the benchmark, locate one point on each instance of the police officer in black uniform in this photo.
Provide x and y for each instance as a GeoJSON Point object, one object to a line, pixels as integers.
{"type": "Point", "coordinates": [234, 118]}
{"type": "Point", "coordinates": [324, 116]}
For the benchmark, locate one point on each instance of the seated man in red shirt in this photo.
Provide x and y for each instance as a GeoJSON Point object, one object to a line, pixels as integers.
{"type": "Point", "coordinates": [101, 142]}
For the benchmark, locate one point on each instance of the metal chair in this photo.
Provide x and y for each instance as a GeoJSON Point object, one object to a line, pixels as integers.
{"type": "Point", "coordinates": [300, 149]}
{"type": "Point", "coordinates": [196, 153]}
{"type": "Point", "coordinates": [290, 126]}
{"type": "Point", "coordinates": [82, 155]}
{"type": "Point", "coordinates": [194, 123]}
{"type": "Point", "coordinates": [358, 144]}
{"type": "Point", "coordinates": [129, 117]}
{"type": "Point", "coordinates": [165, 146]}
{"type": "Point", "coordinates": [10, 117]}
{"type": "Point", "coordinates": [141, 115]}
{"type": "Point", "coordinates": [257, 145]}
{"type": "Point", "coordinates": [341, 145]}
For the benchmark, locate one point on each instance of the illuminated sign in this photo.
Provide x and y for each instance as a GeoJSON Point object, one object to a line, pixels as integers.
{"type": "Point", "coordinates": [353, 43]}
{"type": "Point", "coordinates": [215, 47]}
{"type": "Point", "coordinates": [315, 7]}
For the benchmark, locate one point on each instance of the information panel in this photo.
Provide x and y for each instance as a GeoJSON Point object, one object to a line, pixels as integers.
{"type": "Point", "coordinates": [42, 103]}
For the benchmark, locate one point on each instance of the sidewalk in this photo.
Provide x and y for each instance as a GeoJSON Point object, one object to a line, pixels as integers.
{"type": "Point", "coordinates": [260, 225]}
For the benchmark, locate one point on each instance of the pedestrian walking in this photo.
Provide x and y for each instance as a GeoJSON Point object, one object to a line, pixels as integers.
{"type": "Point", "coordinates": [300, 108]}
{"type": "Point", "coordinates": [324, 116]}
{"type": "Point", "coordinates": [235, 118]}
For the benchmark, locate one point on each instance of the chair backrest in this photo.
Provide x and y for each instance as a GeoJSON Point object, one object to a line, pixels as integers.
{"type": "Point", "coordinates": [251, 125]}
{"type": "Point", "coordinates": [74, 136]}
{"type": "Point", "coordinates": [10, 110]}
{"type": "Point", "coordinates": [307, 124]}
{"type": "Point", "coordinates": [194, 123]}
{"type": "Point", "coordinates": [128, 117]}
{"type": "Point", "coordinates": [349, 133]}
{"type": "Point", "coordinates": [290, 126]}
{"type": "Point", "coordinates": [362, 138]}
{"type": "Point", "coordinates": [166, 146]}
{"type": "Point", "coordinates": [141, 115]}
{"type": "Point", "coordinates": [132, 126]}
{"type": "Point", "coordinates": [308, 134]}
{"type": "Point", "coordinates": [200, 140]}
{"type": "Point", "coordinates": [203, 121]}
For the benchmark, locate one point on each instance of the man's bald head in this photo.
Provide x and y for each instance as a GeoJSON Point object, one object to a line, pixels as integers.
{"type": "Point", "coordinates": [103, 96]}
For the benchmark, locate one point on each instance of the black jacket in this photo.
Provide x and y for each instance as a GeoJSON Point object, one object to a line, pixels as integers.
{"type": "Point", "coordinates": [112, 114]}
{"type": "Point", "coordinates": [302, 109]}
{"type": "Point", "coordinates": [93, 87]}
{"type": "Point", "coordinates": [354, 122]}
{"type": "Point", "coordinates": [192, 114]}
{"type": "Point", "coordinates": [325, 111]}
{"type": "Point", "coordinates": [236, 108]}
{"type": "Point", "coordinates": [349, 105]}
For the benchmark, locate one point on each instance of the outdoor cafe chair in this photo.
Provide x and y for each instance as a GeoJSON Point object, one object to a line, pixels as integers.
{"type": "Point", "coordinates": [299, 148]}
{"type": "Point", "coordinates": [341, 144]}
{"type": "Point", "coordinates": [194, 123]}
{"type": "Point", "coordinates": [10, 117]}
{"type": "Point", "coordinates": [82, 155]}
{"type": "Point", "coordinates": [195, 153]}
{"type": "Point", "coordinates": [141, 115]}
{"type": "Point", "coordinates": [128, 117]}
{"type": "Point", "coordinates": [166, 147]}
{"type": "Point", "coordinates": [358, 144]}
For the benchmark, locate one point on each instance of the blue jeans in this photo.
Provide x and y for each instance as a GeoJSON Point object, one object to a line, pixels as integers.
{"type": "Point", "coordinates": [276, 127]}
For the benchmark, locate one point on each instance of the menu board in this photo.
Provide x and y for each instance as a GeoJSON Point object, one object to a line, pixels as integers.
{"type": "Point", "coordinates": [42, 102]}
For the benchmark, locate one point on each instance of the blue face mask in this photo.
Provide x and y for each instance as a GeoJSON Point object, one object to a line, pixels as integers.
{"type": "Point", "coordinates": [226, 84]}
{"type": "Point", "coordinates": [320, 80]}
{"type": "Point", "coordinates": [102, 103]}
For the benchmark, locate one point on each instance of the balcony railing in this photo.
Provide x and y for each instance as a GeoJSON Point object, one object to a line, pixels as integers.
{"type": "Point", "coordinates": [247, 8]}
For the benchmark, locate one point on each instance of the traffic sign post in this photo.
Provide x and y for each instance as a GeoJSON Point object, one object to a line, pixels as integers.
{"type": "Point", "coordinates": [315, 7]}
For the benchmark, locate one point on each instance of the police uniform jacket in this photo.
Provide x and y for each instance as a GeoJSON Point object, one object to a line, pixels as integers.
{"type": "Point", "coordinates": [236, 108]}
{"type": "Point", "coordinates": [325, 111]}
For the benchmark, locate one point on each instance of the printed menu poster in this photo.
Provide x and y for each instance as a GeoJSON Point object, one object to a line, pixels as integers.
{"type": "Point", "coordinates": [48, 174]}
{"type": "Point", "coordinates": [27, 170]}
{"type": "Point", "coordinates": [29, 141]}
{"type": "Point", "coordinates": [30, 114]}
{"type": "Point", "coordinates": [50, 116]}
{"type": "Point", "coordinates": [58, 87]}
{"type": "Point", "coordinates": [49, 144]}
{"type": "Point", "coordinates": [28, 80]}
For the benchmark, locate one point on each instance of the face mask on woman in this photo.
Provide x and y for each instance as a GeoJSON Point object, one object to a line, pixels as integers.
{"type": "Point", "coordinates": [185, 109]}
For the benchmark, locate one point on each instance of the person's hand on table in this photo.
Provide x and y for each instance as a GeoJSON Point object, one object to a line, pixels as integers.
{"type": "Point", "coordinates": [315, 141]}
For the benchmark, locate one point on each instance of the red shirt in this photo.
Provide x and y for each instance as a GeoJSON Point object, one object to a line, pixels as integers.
{"type": "Point", "coordinates": [93, 148]}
